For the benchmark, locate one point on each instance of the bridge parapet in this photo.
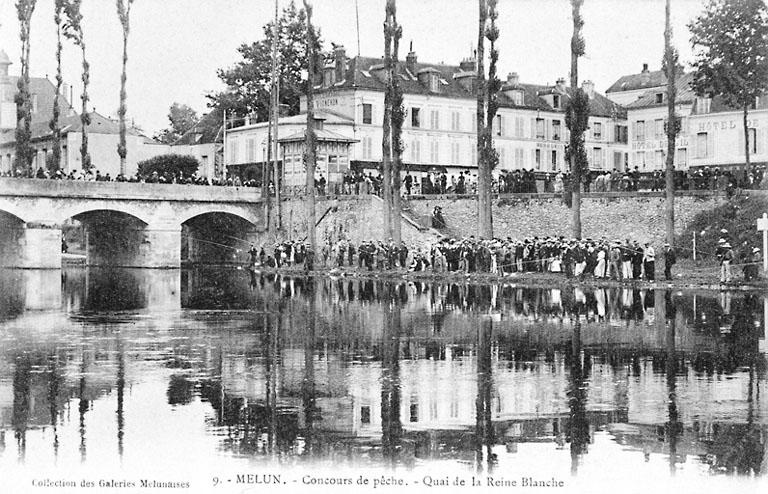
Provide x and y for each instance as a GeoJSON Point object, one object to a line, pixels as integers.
{"type": "Point", "coordinates": [75, 189]}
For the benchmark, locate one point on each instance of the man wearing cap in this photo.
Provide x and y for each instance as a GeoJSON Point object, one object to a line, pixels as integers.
{"type": "Point", "coordinates": [649, 262]}
{"type": "Point", "coordinates": [670, 258]}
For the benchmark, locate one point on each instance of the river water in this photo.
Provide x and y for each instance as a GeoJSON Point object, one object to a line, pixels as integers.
{"type": "Point", "coordinates": [200, 376]}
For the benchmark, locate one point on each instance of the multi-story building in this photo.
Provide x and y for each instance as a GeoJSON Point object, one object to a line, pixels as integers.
{"type": "Point", "coordinates": [711, 133]}
{"type": "Point", "coordinates": [439, 133]}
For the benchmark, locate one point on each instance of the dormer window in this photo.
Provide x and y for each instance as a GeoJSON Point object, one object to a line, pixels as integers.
{"type": "Point", "coordinates": [659, 97]}
{"type": "Point", "coordinates": [703, 105]}
{"type": "Point", "coordinates": [434, 83]}
{"type": "Point", "coordinates": [329, 77]}
{"type": "Point", "coordinates": [517, 97]}
{"type": "Point", "coordinates": [555, 101]}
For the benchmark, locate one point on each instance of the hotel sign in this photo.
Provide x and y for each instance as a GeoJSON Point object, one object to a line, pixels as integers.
{"type": "Point", "coordinates": [658, 144]}
{"type": "Point", "coordinates": [727, 125]}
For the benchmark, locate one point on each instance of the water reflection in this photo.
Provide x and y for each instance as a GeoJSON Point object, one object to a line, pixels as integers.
{"type": "Point", "coordinates": [365, 372]}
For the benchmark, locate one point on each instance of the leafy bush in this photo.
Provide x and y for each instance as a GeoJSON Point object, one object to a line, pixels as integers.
{"type": "Point", "coordinates": [738, 216]}
{"type": "Point", "coordinates": [169, 165]}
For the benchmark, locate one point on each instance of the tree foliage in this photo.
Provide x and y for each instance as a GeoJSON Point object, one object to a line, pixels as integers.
{"type": "Point", "coordinates": [55, 163]}
{"type": "Point", "coordinates": [577, 118]}
{"type": "Point", "coordinates": [182, 118]}
{"type": "Point", "coordinates": [169, 165]}
{"type": "Point", "coordinates": [730, 41]}
{"type": "Point", "coordinates": [124, 14]}
{"type": "Point", "coordinates": [249, 80]}
{"type": "Point", "coordinates": [24, 152]}
{"type": "Point", "coordinates": [73, 30]}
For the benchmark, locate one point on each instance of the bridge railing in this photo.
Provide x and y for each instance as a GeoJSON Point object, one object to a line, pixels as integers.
{"type": "Point", "coordinates": [31, 187]}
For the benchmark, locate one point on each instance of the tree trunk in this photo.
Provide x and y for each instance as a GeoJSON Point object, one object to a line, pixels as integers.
{"type": "Point", "coordinates": [55, 125]}
{"type": "Point", "coordinates": [575, 166]}
{"type": "Point", "coordinates": [485, 228]}
{"type": "Point", "coordinates": [310, 161]}
{"type": "Point", "coordinates": [397, 117]}
{"type": "Point", "coordinates": [386, 141]}
{"type": "Point", "coordinates": [85, 117]}
{"type": "Point", "coordinates": [122, 150]}
{"type": "Point", "coordinates": [746, 143]}
{"type": "Point", "coordinates": [671, 128]}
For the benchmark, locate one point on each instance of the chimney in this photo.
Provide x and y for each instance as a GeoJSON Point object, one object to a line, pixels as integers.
{"type": "Point", "coordinates": [513, 79]}
{"type": "Point", "coordinates": [645, 68]}
{"type": "Point", "coordinates": [561, 84]}
{"type": "Point", "coordinates": [410, 61]}
{"type": "Point", "coordinates": [340, 57]}
{"type": "Point", "coordinates": [589, 88]}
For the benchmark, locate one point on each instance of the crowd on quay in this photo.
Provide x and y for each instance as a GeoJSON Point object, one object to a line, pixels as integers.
{"type": "Point", "coordinates": [601, 259]}
{"type": "Point", "coordinates": [579, 259]}
{"type": "Point", "coordinates": [356, 182]}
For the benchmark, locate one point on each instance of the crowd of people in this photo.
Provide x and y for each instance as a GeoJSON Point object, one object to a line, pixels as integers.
{"type": "Point", "coordinates": [579, 259]}
{"type": "Point", "coordinates": [600, 258]}
{"type": "Point", "coordinates": [360, 182]}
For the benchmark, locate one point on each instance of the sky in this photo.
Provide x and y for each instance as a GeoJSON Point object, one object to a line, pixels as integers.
{"type": "Point", "coordinates": [176, 46]}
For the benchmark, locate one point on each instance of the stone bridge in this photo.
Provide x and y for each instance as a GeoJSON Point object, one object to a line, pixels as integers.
{"type": "Point", "coordinates": [126, 224]}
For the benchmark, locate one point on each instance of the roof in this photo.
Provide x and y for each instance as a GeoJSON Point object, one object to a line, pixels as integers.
{"type": "Point", "coordinates": [205, 131]}
{"type": "Point", "coordinates": [366, 73]}
{"type": "Point", "coordinates": [4, 58]}
{"type": "Point", "coordinates": [685, 94]}
{"type": "Point", "coordinates": [644, 80]}
{"type": "Point", "coordinates": [322, 136]}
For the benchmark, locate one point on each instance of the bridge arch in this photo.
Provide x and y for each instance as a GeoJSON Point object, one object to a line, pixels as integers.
{"type": "Point", "coordinates": [218, 237]}
{"type": "Point", "coordinates": [12, 210]}
{"type": "Point", "coordinates": [88, 208]}
{"type": "Point", "coordinates": [244, 213]}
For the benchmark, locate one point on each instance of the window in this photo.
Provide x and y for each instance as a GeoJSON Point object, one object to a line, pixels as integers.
{"type": "Point", "coordinates": [365, 415]}
{"type": "Point", "coordinates": [703, 105]}
{"type": "Point", "coordinates": [640, 130]}
{"type": "Point", "coordinates": [517, 97]}
{"type": "Point", "coordinates": [597, 158]}
{"type": "Point", "coordinates": [640, 159]}
{"type": "Point", "coordinates": [434, 152]}
{"type": "Point", "coordinates": [556, 101]}
{"type": "Point", "coordinates": [329, 77]}
{"type": "Point", "coordinates": [415, 117]}
{"type": "Point", "coordinates": [434, 83]}
{"type": "Point", "coordinates": [597, 131]}
{"type": "Point", "coordinates": [539, 128]}
{"type": "Point", "coordinates": [367, 147]}
{"type": "Point", "coordinates": [416, 151]}
{"type": "Point", "coordinates": [554, 159]}
{"type": "Point", "coordinates": [555, 130]}
{"type": "Point", "coordinates": [618, 160]}
{"type": "Point", "coordinates": [519, 158]}
{"type": "Point", "coordinates": [537, 159]}
{"type": "Point", "coordinates": [752, 133]}
{"type": "Point", "coordinates": [659, 159]}
{"type": "Point", "coordinates": [455, 121]}
{"type": "Point", "coordinates": [499, 125]}
{"type": "Point", "coordinates": [701, 145]}
{"type": "Point", "coordinates": [204, 159]}
{"type": "Point", "coordinates": [233, 152]}
{"type": "Point", "coordinates": [367, 113]}
{"type": "Point", "coordinates": [520, 126]}
{"type": "Point", "coordinates": [659, 128]}
{"type": "Point", "coordinates": [455, 153]}
{"type": "Point", "coordinates": [434, 120]}
{"type": "Point", "coordinates": [682, 158]}
{"type": "Point", "coordinates": [659, 97]}
{"type": "Point", "coordinates": [251, 143]}
{"type": "Point", "coordinates": [622, 134]}
{"type": "Point", "coordinates": [414, 412]}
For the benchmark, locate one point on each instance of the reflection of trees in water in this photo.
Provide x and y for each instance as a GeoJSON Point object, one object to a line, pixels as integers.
{"type": "Point", "coordinates": [577, 427]}
{"type": "Point", "coordinates": [11, 293]}
{"type": "Point", "coordinates": [484, 433]}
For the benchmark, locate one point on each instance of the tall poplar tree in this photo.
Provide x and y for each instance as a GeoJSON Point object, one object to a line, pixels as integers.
{"type": "Point", "coordinates": [386, 139]}
{"type": "Point", "coordinates": [73, 30]}
{"type": "Point", "coordinates": [394, 115]}
{"type": "Point", "coordinates": [24, 152]}
{"type": "Point", "coordinates": [577, 118]}
{"type": "Point", "coordinates": [124, 14]}
{"type": "Point", "coordinates": [484, 224]}
{"type": "Point", "coordinates": [54, 124]}
{"type": "Point", "coordinates": [310, 157]}
{"type": "Point", "coordinates": [730, 41]}
{"type": "Point", "coordinates": [672, 126]}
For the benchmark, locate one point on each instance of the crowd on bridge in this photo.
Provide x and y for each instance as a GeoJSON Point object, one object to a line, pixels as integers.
{"type": "Point", "coordinates": [358, 182]}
